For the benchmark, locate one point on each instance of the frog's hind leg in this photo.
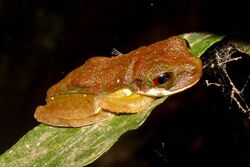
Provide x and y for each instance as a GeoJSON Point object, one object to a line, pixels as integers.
{"type": "Point", "coordinates": [71, 110]}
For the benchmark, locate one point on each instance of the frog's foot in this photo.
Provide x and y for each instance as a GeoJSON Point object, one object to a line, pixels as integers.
{"type": "Point", "coordinates": [125, 101]}
{"type": "Point", "coordinates": [71, 110]}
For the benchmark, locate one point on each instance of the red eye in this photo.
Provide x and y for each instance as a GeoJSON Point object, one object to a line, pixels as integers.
{"type": "Point", "coordinates": [162, 78]}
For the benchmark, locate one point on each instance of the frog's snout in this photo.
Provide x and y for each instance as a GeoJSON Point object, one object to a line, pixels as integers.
{"type": "Point", "coordinates": [187, 76]}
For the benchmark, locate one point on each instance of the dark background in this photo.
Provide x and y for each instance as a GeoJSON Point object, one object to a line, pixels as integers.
{"type": "Point", "coordinates": [41, 41]}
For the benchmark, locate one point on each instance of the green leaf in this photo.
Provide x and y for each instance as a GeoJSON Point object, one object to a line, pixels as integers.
{"type": "Point", "coordinates": [51, 146]}
{"type": "Point", "coordinates": [200, 42]}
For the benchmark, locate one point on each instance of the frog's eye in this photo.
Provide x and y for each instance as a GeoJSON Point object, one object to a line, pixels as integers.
{"type": "Point", "coordinates": [162, 78]}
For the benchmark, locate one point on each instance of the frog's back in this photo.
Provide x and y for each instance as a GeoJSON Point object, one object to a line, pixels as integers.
{"type": "Point", "coordinates": [97, 75]}
{"type": "Point", "coordinates": [100, 75]}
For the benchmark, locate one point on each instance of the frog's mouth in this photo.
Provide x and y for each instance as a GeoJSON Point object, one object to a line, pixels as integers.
{"type": "Point", "coordinates": [160, 92]}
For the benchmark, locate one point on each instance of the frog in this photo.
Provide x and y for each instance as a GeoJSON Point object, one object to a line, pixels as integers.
{"type": "Point", "coordinates": [123, 84]}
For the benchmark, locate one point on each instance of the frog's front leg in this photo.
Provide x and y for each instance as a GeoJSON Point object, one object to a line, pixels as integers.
{"type": "Point", "coordinates": [125, 101]}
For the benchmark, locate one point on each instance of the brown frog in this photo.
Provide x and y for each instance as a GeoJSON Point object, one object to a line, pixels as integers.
{"type": "Point", "coordinates": [126, 83]}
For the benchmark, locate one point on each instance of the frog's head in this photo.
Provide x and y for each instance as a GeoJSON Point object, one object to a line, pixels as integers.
{"type": "Point", "coordinates": [166, 68]}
